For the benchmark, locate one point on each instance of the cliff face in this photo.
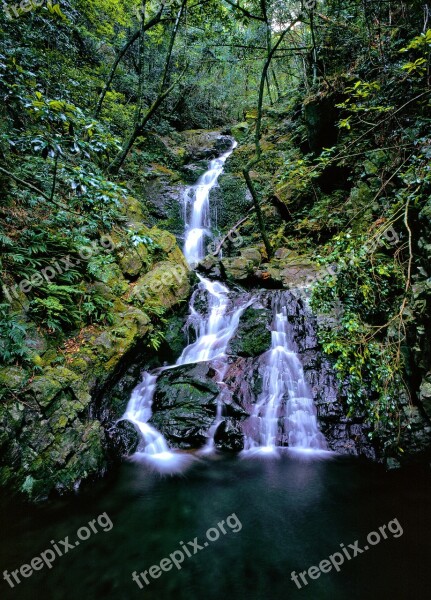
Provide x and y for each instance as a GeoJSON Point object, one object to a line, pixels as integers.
{"type": "Point", "coordinates": [360, 246]}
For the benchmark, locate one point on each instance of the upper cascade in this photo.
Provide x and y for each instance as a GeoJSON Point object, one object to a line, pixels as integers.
{"type": "Point", "coordinates": [196, 209]}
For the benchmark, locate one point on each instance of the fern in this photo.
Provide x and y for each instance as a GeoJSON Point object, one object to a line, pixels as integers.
{"type": "Point", "coordinates": [12, 337]}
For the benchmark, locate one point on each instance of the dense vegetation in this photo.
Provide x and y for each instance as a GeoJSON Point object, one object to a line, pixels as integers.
{"type": "Point", "coordinates": [330, 103]}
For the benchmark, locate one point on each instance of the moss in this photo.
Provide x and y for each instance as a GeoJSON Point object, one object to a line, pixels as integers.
{"type": "Point", "coordinates": [240, 268]}
{"type": "Point", "coordinates": [48, 440]}
{"type": "Point", "coordinates": [240, 131]}
{"type": "Point", "coordinates": [253, 336]}
{"type": "Point", "coordinates": [164, 285]}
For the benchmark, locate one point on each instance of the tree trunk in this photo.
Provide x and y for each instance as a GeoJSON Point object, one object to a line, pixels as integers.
{"type": "Point", "coordinates": [116, 164]}
{"type": "Point", "coordinates": [258, 135]}
{"type": "Point", "coordinates": [151, 23]}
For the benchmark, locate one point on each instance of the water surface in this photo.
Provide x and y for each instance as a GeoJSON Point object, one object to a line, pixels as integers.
{"type": "Point", "coordinates": [294, 513]}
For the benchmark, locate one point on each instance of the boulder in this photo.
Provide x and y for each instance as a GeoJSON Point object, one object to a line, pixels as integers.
{"type": "Point", "coordinates": [185, 404]}
{"type": "Point", "coordinates": [124, 438]}
{"type": "Point", "coordinates": [229, 436]}
{"type": "Point", "coordinates": [253, 335]}
{"type": "Point", "coordinates": [238, 268]}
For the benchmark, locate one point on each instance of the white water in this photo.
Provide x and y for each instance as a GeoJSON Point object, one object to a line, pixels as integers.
{"type": "Point", "coordinates": [153, 447]}
{"type": "Point", "coordinates": [213, 332]}
{"type": "Point", "coordinates": [213, 335]}
{"type": "Point", "coordinates": [284, 413]}
{"type": "Point", "coordinates": [196, 210]}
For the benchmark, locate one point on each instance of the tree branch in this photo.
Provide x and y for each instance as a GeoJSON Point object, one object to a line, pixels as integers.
{"type": "Point", "coordinates": [245, 11]}
{"type": "Point", "coordinates": [33, 188]}
{"type": "Point", "coordinates": [151, 23]}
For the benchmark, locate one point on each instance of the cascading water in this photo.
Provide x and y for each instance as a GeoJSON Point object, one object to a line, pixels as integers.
{"type": "Point", "coordinates": [284, 413]}
{"type": "Point", "coordinates": [213, 335]}
{"type": "Point", "coordinates": [213, 332]}
{"type": "Point", "coordinates": [196, 209]}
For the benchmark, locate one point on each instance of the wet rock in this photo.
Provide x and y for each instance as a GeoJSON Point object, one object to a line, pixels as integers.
{"type": "Point", "coordinates": [229, 200]}
{"type": "Point", "coordinates": [229, 436]}
{"type": "Point", "coordinates": [212, 267]}
{"type": "Point", "coordinates": [162, 199]}
{"type": "Point", "coordinates": [199, 144]}
{"type": "Point", "coordinates": [191, 173]}
{"type": "Point", "coordinates": [185, 404]}
{"type": "Point", "coordinates": [244, 381]}
{"type": "Point", "coordinates": [253, 335]}
{"type": "Point", "coordinates": [124, 438]}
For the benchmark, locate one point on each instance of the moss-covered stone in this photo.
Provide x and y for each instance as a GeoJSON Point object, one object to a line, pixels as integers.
{"type": "Point", "coordinates": [240, 131]}
{"type": "Point", "coordinates": [253, 336]}
{"type": "Point", "coordinates": [185, 404]}
{"type": "Point", "coordinates": [239, 268]}
{"type": "Point", "coordinates": [51, 431]}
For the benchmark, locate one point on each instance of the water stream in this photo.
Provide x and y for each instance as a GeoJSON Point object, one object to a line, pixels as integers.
{"type": "Point", "coordinates": [285, 404]}
{"type": "Point", "coordinates": [212, 332]}
{"type": "Point", "coordinates": [196, 209]}
{"type": "Point", "coordinates": [284, 414]}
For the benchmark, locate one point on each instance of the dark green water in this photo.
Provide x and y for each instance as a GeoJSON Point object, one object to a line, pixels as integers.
{"type": "Point", "coordinates": [294, 513]}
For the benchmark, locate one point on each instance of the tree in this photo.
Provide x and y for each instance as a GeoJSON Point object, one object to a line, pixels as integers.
{"type": "Point", "coordinates": [163, 92]}
{"type": "Point", "coordinates": [268, 19]}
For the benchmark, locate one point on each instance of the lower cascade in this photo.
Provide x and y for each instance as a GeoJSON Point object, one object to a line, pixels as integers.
{"type": "Point", "coordinates": [213, 336]}
{"type": "Point", "coordinates": [284, 414]}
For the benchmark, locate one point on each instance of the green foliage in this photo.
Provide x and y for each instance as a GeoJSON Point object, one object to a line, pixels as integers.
{"type": "Point", "coordinates": [362, 328]}
{"type": "Point", "coordinates": [57, 309]}
{"type": "Point", "coordinates": [12, 337]}
{"type": "Point", "coordinates": [64, 308]}
{"type": "Point", "coordinates": [95, 308]}
{"type": "Point", "coordinates": [157, 314]}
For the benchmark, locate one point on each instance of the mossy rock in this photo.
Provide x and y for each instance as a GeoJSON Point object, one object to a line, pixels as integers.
{"type": "Point", "coordinates": [165, 284]}
{"type": "Point", "coordinates": [131, 264]}
{"type": "Point", "coordinates": [13, 378]}
{"type": "Point", "coordinates": [240, 131]}
{"type": "Point", "coordinates": [185, 404]}
{"type": "Point", "coordinates": [252, 254]}
{"type": "Point", "coordinates": [238, 269]}
{"type": "Point", "coordinates": [132, 209]}
{"type": "Point", "coordinates": [46, 387]}
{"type": "Point", "coordinates": [253, 335]}
{"type": "Point", "coordinates": [49, 442]}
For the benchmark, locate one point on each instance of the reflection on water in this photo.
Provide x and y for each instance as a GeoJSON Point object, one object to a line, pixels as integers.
{"type": "Point", "coordinates": [295, 511]}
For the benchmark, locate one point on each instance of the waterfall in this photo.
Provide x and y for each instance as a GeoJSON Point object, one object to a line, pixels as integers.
{"type": "Point", "coordinates": [284, 414]}
{"type": "Point", "coordinates": [213, 331]}
{"type": "Point", "coordinates": [213, 335]}
{"type": "Point", "coordinates": [139, 412]}
{"type": "Point", "coordinates": [196, 209]}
